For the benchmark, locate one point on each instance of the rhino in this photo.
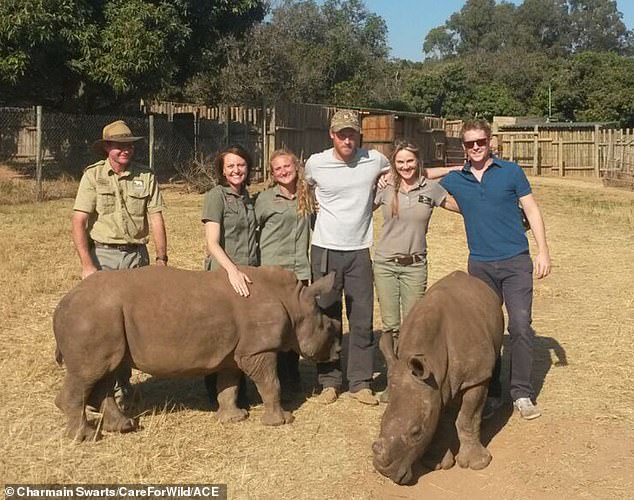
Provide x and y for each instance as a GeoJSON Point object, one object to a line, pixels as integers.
{"type": "Point", "coordinates": [449, 342]}
{"type": "Point", "coordinates": [171, 322]}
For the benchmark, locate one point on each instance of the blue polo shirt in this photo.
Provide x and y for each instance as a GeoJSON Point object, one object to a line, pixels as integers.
{"type": "Point", "coordinates": [492, 217]}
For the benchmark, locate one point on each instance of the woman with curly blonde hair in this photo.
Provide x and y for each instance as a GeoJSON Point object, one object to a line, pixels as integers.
{"type": "Point", "coordinates": [283, 213]}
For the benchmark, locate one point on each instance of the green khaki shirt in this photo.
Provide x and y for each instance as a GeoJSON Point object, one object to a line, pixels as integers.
{"type": "Point", "coordinates": [407, 233]}
{"type": "Point", "coordinates": [118, 205]}
{"type": "Point", "coordinates": [236, 216]}
{"type": "Point", "coordinates": [284, 234]}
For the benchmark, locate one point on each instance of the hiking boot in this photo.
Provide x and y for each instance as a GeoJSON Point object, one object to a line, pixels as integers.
{"type": "Point", "coordinates": [328, 396]}
{"type": "Point", "coordinates": [491, 405]}
{"type": "Point", "coordinates": [365, 396]}
{"type": "Point", "coordinates": [527, 409]}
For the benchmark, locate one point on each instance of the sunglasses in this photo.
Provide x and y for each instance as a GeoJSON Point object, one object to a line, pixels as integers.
{"type": "Point", "coordinates": [479, 142]}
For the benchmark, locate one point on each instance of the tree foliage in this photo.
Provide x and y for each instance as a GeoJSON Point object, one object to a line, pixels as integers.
{"type": "Point", "coordinates": [557, 26]}
{"type": "Point", "coordinates": [306, 52]}
{"type": "Point", "coordinates": [512, 55]}
{"type": "Point", "coordinates": [491, 57]}
{"type": "Point", "coordinates": [91, 53]}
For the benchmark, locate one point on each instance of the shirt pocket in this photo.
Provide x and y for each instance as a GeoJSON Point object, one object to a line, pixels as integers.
{"type": "Point", "coordinates": [106, 199]}
{"type": "Point", "coordinates": [136, 202]}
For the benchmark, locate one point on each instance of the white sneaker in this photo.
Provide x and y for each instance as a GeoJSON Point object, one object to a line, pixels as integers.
{"type": "Point", "coordinates": [527, 409]}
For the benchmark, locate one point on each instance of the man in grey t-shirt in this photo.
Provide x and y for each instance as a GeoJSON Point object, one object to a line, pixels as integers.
{"type": "Point", "coordinates": [344, 178]}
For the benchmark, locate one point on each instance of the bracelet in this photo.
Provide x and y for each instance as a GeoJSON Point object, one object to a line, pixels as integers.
{"type": "Point", "coordinates": [162, 257]}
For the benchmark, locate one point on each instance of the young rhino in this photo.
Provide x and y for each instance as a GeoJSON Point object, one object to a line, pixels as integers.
{"type": "Point", "coordinates": [448, 346]}
{"type": "Point", "coordinates": [175, 323]}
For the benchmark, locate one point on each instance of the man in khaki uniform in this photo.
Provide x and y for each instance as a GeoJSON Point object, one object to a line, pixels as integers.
{"type": "Point", "coordinates": [116, 202]}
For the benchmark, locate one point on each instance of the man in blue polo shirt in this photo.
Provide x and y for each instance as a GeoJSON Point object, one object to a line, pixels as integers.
{"type": "Point", "coordinates": [489, 192]}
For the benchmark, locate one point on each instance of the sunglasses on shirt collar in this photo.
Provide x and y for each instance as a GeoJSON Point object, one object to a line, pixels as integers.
{"type": "Point", "coordinates": [479, 142]}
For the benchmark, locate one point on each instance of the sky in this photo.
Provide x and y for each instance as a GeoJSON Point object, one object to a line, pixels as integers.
{"type": "Point", "coordinates": [409, 21]}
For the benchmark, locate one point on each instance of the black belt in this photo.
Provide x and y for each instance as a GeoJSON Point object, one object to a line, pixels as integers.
{"type": "Point", "coordinates": [407, 260]}
{"type": "Point", "coordinates": [123, 247]}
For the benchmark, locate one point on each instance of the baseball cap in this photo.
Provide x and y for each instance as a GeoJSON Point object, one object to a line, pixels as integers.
{"type": "Point", "coordinates": [345, 118]}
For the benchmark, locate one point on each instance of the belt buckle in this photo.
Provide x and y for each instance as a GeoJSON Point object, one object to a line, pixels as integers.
{"type": "Point", "coordinates": [406, 260]}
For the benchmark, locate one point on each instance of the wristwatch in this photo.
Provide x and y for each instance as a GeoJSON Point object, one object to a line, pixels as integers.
{"type": "Point", "coordinates": [162, 257]}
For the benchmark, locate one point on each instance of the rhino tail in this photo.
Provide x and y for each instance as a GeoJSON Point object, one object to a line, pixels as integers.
{"type": "Point", "coordinates": [58, 356]}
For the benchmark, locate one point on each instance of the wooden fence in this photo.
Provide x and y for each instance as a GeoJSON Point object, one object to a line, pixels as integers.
{"type": "Point", "coordinates": [580, 152]}
{"type": "Point", "coordinates": [575, 150]}
{"type": "Point", "coordinates": [301, 128]}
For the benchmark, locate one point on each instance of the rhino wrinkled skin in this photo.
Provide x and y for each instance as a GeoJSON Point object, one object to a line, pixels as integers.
{"type": "Point", "coordinates": [175, 323]}
{"type": "Point", "coordinates": [448, 346]}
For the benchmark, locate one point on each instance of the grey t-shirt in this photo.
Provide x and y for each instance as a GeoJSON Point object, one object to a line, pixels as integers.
{"type": "Point", "coordinates": [406, 233]}
{"type": "Point", "coordinates": [344, 191]}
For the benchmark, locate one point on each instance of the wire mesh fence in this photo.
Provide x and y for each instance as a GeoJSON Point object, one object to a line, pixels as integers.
{"type": "Point", "coordinates": [64, 142]}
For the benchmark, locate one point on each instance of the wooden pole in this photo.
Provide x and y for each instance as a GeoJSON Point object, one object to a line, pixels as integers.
{"type": "Point", "coordinates": [38, 153]}
{"type": "Point", "coordinates": [595, 136]}
{"type": "Point", "coordinates": [536, 150]}
{"type": "Point", "coordinates": [610, 153]}
{"type": "Point", "coordinates": [560, 156]}
{"type": "Point", "coordinates": [512, 147]}
{"type": "Point", "coordinates": [265, 144]}
{"type": "Point", "coordinates": [151, 142]}
{"type": "Point", "coordinates": [227, 129]}
{"type": "Point", "coordinates": [622, 159]}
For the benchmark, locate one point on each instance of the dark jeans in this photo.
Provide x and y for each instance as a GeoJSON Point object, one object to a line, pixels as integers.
{"type": "Point", "coordinates": [512, 280]}
{"type": "Point", "coordinates": [354, 277]}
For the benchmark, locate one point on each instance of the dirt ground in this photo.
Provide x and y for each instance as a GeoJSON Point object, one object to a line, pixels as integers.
{"type": "Point", "coordinates": [581, 448]}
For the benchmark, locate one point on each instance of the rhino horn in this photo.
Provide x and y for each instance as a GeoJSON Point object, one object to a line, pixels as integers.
{"type": "Point", "coordinates": [419, 367]}
{"type": "Point", "coordinates": [386, 345]}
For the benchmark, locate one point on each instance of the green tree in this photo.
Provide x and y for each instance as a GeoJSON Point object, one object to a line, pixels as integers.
{"type": "Point", "coordinates": [543, 25]}
{"type": "Point", "coordinates": [597, 25]}
{"type": "Point", "coordinates": [96, 53]}
{"type": "Point", "coordinates": [596, 87]}
{"type": "Point", "coordinates": [306, 52]}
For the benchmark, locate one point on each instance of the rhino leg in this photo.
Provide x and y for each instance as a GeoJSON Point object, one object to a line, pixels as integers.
{"type": "Point", "coordinates": [72, 401]}
{"type": "Point", "coordinates": [227, 386]}
{"type": "Point", "coordinates": [472, 454]}
{"type": "Point", "coordinates": [113, 419]}
{"type": "Point", "coordinates": [262, 368]}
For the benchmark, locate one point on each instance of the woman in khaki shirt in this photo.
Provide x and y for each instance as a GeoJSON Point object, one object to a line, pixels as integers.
{"type": "Point", "coordinates": [283, 214]}
{"type": "Point", "coordinates": [400, 256]}
{"type": "Point", "coordinates": [230, 233]}
{"type": "Point", "coordinates": [229, 218]}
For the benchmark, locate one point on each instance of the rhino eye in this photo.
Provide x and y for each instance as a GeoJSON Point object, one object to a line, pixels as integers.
{"type": "Point", "coordinates": [416, 431]}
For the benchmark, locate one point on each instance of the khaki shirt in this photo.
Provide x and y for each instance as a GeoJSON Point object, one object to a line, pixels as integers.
{"type": "Point", "coordinates": [236, 216]}
{"type": "Point", "coordinates": [407, 233]}
{"type": "Point", "coordinates": [118, 205]}
{"type": "Point", "coordinates": [284, 234]}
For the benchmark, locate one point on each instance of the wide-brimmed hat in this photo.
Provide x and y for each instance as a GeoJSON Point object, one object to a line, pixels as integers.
{"type": "Point", "coordinates": [115, 132]}
{"type": "Point", "coordinates": [345, 119]}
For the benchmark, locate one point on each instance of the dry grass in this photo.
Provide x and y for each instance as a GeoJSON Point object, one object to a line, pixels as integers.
{"type": "Point", "coordinates": [582, 447]}
{"type": "Point", "coordinates": [21, 191]}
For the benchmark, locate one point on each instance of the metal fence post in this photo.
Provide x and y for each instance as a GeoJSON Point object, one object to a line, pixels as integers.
{"type": "Point", "coordinates": [38, 153]}
{"type": "Point", "coordinates": [151, 142]}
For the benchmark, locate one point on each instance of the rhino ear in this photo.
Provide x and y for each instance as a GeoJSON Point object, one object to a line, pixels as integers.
{"type": "Point", "coordinates": [321, 286]}
{"type": "Point", "coordinates": [420, 370]}
{"type": "Point", "coordinates": [386, 345]}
